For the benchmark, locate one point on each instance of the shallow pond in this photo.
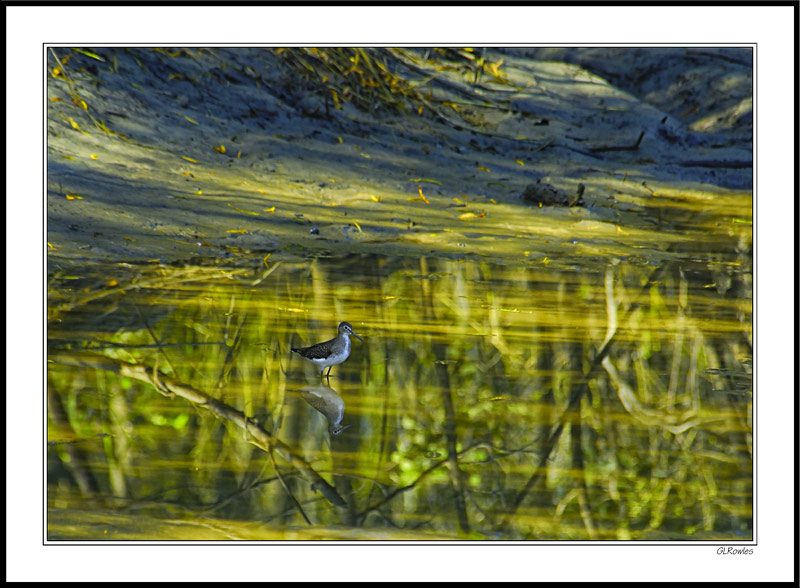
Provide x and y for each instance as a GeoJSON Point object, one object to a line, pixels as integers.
{"type": "Point", "coordinates": [606, 401]}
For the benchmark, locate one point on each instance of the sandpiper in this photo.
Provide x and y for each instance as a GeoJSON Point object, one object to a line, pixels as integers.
{"type": "Point", "coordinates": [330, 353]}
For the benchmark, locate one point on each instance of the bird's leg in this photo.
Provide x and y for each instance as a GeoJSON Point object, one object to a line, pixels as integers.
{"type": "Point", "coordinates": [328, 375]}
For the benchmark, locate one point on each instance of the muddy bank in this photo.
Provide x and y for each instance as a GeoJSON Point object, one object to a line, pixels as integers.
{"type": "Point", "coordinates": [184, 155]}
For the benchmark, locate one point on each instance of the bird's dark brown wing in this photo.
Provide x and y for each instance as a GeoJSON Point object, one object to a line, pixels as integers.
{"type": "Point", "coordinates": [318, 351]}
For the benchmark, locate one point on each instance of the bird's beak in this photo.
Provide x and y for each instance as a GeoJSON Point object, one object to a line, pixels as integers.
{"type": "Point", "coordinates": [357, 337]}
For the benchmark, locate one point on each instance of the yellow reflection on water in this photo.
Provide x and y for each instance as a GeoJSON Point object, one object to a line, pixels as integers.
{"type": "Point", "coordinates": [479, 404]}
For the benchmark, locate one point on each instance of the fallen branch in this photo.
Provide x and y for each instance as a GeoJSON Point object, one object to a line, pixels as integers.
{"type": "Point", "coordinates": [633, 147]}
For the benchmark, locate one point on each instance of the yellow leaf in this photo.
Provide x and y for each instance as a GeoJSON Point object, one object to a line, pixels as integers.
{"type": "Point", "coordinates": [94, 156]}
{"type": "Point", "coordinates": [56, 72]}
{"type": "Point", "coordinates": [49, 245]}
{"type": "Point", "coordinates": [266, 258]}
{"type": "Point", "coordinates": [191, 120]}
{"type": "Point", "coordinates": [74, 125]}
{"type": "Point", "coordinates": [519, 161]}
{"type": "Point", "coordinates": [111, 283]}
{"type": "Point", "coordinates": [243, 210]}
{"type": "Point", "coordinates": [466, 215]}
{"type": "Point", "coordinates": [492, 200]}
{"type": "Point", "coordinates": [486, 169]}
{"type": "Point", "coordinates": [199, 192]}
{"type": "Point", "coordinates": [55, 99]}
{"type": "Point", "coordinates": [239, 231]}
{"type": "Point", "coordinates": [421, 195]}
{"type": "Point", "coordinates": [340, 140]}
{"type": "Point", "coordinates": [375, 198]}
{"type": "Point", "coordinates": [269, 209]}
{"type": "Point", "coordinates": [72, 197]}
{"type": "Point", "coordinates": [262, 191]}
{"type": "Point", "coordinates": [189, 159]}
{"type": "Point", "coordinates": [358, 226]}
{"type": "Point", "coordinates": [68, 157]}
{"type": "Point", "coordinates": [239, 155]}
{"type": "Point", "coordinates": [220, 149]}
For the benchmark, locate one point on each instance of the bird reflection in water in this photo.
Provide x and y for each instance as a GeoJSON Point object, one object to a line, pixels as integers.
{"type": "Point", "coordinates": [327, 401]}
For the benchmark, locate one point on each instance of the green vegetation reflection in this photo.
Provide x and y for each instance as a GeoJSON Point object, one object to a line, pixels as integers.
{"type": "Point", "coordinates": [486, 402]}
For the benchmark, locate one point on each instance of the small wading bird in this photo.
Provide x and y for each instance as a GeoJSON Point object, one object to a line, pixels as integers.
{"type": "Point", "coordinates": [330, 353]}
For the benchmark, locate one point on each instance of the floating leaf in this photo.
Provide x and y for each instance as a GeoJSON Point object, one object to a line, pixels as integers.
{"type": "Point", "coordinates": [189, 159]}
{"type": "Point", "coordinates": [199, 192]}
{"type": "Point", "coordinates": [55, 99]}
{"type": "Point", "coordinates": [519, 161]}
{"type": "Point", "coordinates": [74, 125]}
{"type": "Point", "coordinates": [266, 258]}
{"type": "Point", "coordinates": [239, 231]}
{"type": "Point", "coordinates": [486, 169]}
{"type": "Point", "coordinates": [425, 180]}
{"type": "Point", "coordinates": [68, 157]}
{"type": "Point", "coordinates": [94, 156]}
{"type": "Point", "coordinates": [50, 246]}
{"type": "Point", "coordinates": [73, 197]}
{"type": "Point", "coordinates": [191, 120]}
{"type": "Point", "coordinates": [111, 283]}
{"type": "Point", "coordinates": [220, 149]}
{"type": "Point", "coordinates": [358, 226]}
{"type": "Point", "coordinates": [375, 198]}
{"type": "Point", "coordinates": [269, 209]}
{"type": "Point", "coordinates": [466, 215]}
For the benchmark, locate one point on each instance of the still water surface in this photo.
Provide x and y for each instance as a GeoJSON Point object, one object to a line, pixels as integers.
{"type": "Point", "coordinates": [486, 401]}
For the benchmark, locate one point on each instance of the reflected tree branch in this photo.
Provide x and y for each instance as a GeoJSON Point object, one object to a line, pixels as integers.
{"type": "Point", "coordinates": [257, 435]}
